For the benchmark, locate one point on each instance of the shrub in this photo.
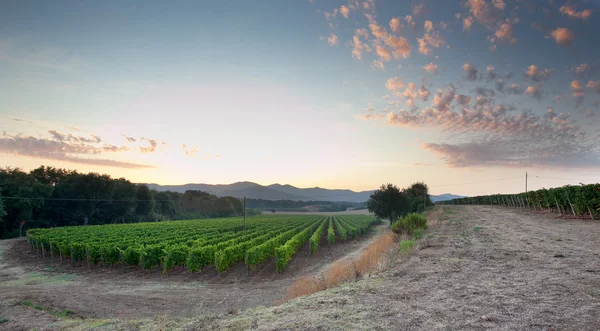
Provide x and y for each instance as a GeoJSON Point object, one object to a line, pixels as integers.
{"type": "Point", "coordinates": [406, 245]}
{"type": "Point", "coordinates": [410, 223]}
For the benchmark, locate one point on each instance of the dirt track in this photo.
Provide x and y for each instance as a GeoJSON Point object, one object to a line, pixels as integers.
{"type": "Point", "coordinates": [479, 268]}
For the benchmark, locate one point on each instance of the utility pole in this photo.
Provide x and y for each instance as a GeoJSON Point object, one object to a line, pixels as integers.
{"type": "Point", "coordinates": [525, 182]}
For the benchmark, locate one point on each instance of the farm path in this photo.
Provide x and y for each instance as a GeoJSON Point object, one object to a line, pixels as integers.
{"type": "Point", "coordinates": [100, 294]}
{"type": "Point", "coordinates": [479, 268]}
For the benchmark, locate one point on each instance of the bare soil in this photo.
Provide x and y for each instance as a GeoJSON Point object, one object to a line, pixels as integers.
{"type": "Point", "coordinates": [131, 293]}
{"type": "Point", "coordinates": [478, 268]}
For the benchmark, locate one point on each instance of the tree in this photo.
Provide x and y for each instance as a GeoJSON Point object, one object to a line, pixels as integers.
{"type": "Point", "coordinates": [2, 211]}
{"type": "Point", "coordinates": [388, 202]}
{"type": "Point", "coordinates": [145, 204]}
{"type": "Point", "coordinates": [419, 198]}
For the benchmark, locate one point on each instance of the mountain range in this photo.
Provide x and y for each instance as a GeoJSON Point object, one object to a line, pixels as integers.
{"type": "Point", "coordinates": [280, 192]}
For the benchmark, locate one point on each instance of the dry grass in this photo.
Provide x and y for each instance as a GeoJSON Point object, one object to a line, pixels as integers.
{"type": "Point", "coordinates": [304, 286]}
{"type": "Point", "coordinates": [340, 272]}
{"type": "Point", "coordinates": [370, 258]}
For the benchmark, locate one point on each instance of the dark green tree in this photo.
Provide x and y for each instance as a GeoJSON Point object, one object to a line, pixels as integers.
{"type": "Point", "coordinates": [388, 202]}
{"type": "Point", "coordinates": [418, 195]}
{"type": "Point", "coordinates": [145, 203]}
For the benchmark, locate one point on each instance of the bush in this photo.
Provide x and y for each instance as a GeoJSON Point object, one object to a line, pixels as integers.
{"type": "Point", "coordinates": [410, 223]}
{"type": "Point", "coordinates": [406, 245]}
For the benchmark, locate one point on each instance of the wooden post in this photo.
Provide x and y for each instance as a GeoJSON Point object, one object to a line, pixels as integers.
{"type": "Point", "coordinates": [122, 259]}
{"type": "Point", "coordinates": [87, 257]}
{"type": "Point", "coordinates": [51, 252]}
{"type": "Point", "coordinates": [72, 258]}
{"type": "Point", "coordinates": [591, 215]}
{"type": "Point", "coordinates": [43, 252]}
{"type": "Point", "coordinates": [570, 204]}
{"type": "Point", "coordinates": [557, 205]}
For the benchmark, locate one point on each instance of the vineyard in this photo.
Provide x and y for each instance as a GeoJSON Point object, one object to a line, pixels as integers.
{"type": "Point", "coordinates": [580, 201]}
{"type": "Point", "coordinates": [196, 244]}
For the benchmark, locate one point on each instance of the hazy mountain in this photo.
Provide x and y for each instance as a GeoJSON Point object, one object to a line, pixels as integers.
{"type": "Point", "coordinates": [280, 192]}
{"type": "Point", "coordinates": [444, 197]}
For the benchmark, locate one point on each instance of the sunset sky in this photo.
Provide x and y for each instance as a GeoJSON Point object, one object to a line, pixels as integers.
{"type": "Point", "coordinates": [336, 94]}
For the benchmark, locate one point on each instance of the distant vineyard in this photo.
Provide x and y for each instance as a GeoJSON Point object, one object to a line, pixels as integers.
{"type": "Point", "coordinates": [196, 244]}
{"type": "Point", "coordinates": [581, 201]}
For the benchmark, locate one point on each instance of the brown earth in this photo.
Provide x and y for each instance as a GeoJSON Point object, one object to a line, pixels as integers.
{"type": "Point", "coordinates": [479, 268]}
{"type": "Point", "coordinates": [132, 293]}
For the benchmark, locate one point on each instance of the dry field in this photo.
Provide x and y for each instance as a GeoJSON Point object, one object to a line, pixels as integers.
{"type": "Point", "coordinates": [478, 268]}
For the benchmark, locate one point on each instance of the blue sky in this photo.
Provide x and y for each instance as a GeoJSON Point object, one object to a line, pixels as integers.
{"type": "Point", "coordinates": [280, 91]}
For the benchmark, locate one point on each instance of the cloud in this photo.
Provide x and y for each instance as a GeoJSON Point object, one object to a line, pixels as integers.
{"type": "Point", "coordinates": [571, 11]}
{"type": "Point", "coordinates": [430, 38]}
{"type": "Point", "coordinates": [383, 53]}
{"type": "Point", "coordinates": [423, 93]}
{"type": "Point", "coordinates": [594, 85]}
{"type": "Point", "coordinates": [150, 149]}
{"type": "Point", "coordinates": [394, 83]}
{"type": "Point", "coordinates": [505, 32]}
{"type": "Point", "coordinates": [471, 73]}
{"type": "Point", "coordinates": [75, 139]}
{"type": "Point", "coordinates": [345, 11]}
{"type": "Point", "coordinates": [462, 99]}
{"type": "Point", "coordinates": [409, 21]}
{"type": "Point", "coordinates": [534, 92]}
{"type": "Point", "coordinates": [418, 9]}
{"type": "Point", "coordinates": [377, 64]}
{"type": "Point", "coordinates": [395, 25]}
{"type": "Point", "coordinates": [499, 84]}
{"type": "Point", "coordinates": [491, 72]}
{"type": "Point", "coordinates": [538, 75]}
{"type": "Point", "coordinates": [357, 47]}
{"type": "Point", "coordinates": [488, 134]}
{"type": "Point", "coordinates": [514, 89]}
{"type": "Point", "coordinates": [443, 99]}
{"type": "Point", "coordinates": [484, 12]}
{"type": "Point", "coordinates": [468, 22]}
{"type": "Point", "coordinates": [129, 139]}
{"type": "Point", "coordinates": [563, 36]}
{"type": "Point", "coordinates": [63, 150]}
{"type": "Point", "coordinates": [332, 40]}
{"type": "Point", "coordinates": [431, 68]}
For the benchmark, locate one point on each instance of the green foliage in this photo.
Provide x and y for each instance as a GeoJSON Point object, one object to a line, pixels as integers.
{"type": "Point", "coordinates": [388, 201]}
{"type": "Point", "coordinates": [284, 253]}
{"type": "Point", "coordinates": [330, 232]}
{"type": "Point", "coordinates": [410, 223]}
{"type": "Point", "coordinates": [418, 234]}
{"type": "Point", "coordinates": [406, 245]}
{"type": "Point", "coordinates": [316, 237]}
{"type": "Point", "coordinates": [581, 200]}
{"type": "Point", "coordinates": [194, 244]}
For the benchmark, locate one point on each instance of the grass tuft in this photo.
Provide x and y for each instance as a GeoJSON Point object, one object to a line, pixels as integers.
{"type": "Point", "coordinates": [406, 246]}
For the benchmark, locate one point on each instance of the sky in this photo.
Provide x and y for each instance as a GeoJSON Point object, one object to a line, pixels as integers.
{"type": "Point", "coordinates": [467, 96]}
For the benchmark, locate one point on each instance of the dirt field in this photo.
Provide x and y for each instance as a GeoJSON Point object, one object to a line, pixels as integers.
{"type": "Point", "coordinates": [131, 293]}
{"type": "Point", "coordinates": [479, 268]}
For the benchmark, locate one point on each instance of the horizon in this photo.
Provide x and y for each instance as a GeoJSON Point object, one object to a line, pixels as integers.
{"type": "Point", "coordinates": [465, 96]}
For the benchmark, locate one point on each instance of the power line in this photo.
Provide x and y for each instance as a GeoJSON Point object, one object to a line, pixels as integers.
{"type": "Point", "coordinates": [487, 181]}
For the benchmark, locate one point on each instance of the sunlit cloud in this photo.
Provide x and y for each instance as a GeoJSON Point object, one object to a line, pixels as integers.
{"type": "Point", "coordinates": [571, 11]}
{"type": "Point", "coordinates": [534, 92]}
{"type": "Point", "coordinates": [563, 36]}
{"type": "Point", "coordinates": [537, 74]}
{"type": "Point", "coordinates": [471, 72]}
{"type": "Point", "coordinates": [431, 68]}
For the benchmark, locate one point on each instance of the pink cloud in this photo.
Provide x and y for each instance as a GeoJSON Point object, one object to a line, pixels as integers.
{"type": "Point", "coordinates": [395, 25]}
{"type": "Point", "coordinates": [563, 36]}
{"type": "Point", "coordinates": [571, 11]}
{"type": "Point", "coordinates": [394, 83]}
{"type": "Point", "coordinates": [431, 67]}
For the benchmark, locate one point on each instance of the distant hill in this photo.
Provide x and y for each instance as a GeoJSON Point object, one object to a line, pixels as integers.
{"type": "Point", "coordinates": [271, 192]}
{"type": "Point", "coordinates": [280, 192]}
{"type": "Point", "coordinates": [444, 197]}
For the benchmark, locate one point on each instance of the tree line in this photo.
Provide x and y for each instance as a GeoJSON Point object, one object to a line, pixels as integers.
{"type": "Point", "coordinates": [51, 197]}
{"type": "Point", "coordinates": [390, 202]}
{"type": "Point", "coordinates": [294, 205]}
